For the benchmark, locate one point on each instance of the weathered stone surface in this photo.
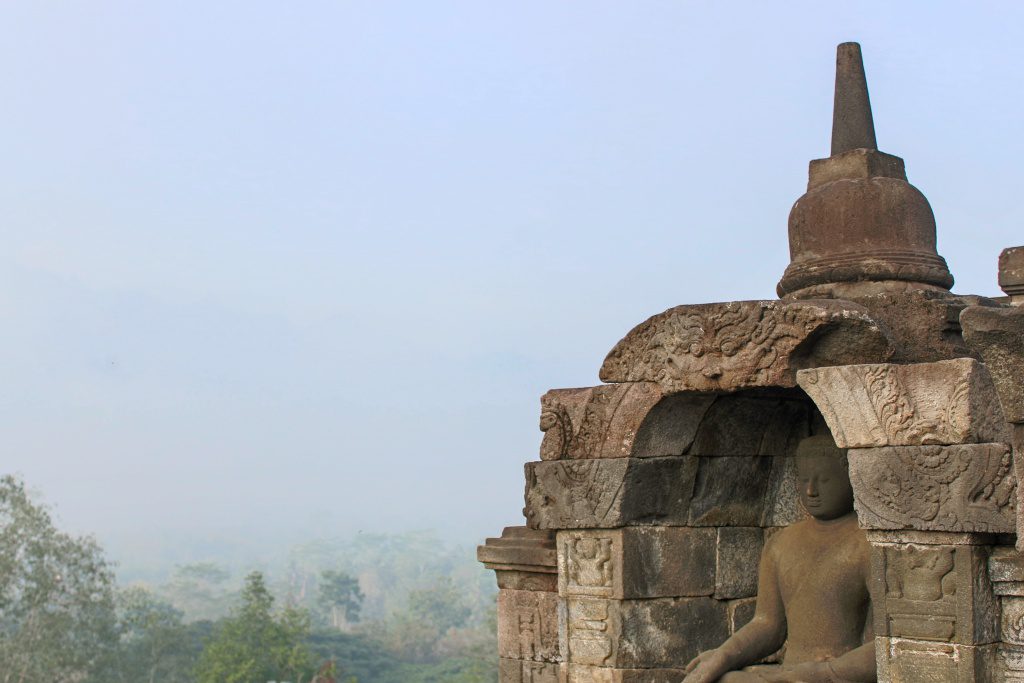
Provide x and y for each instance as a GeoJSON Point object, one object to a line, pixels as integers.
{"type": "Point", "coordinates": [658, 633]}
{"type": "Point", "coordinates": [752, 425]}
{"type": "Point", "coordinates": [947, 402]}
{"type": "Point", "coordinates": [522, 559]}
{"type": "Point", "coordinates": [1006, 571]}
{"type": "Point", "coordinates": [744, 344]}
{"type": "Point", "coordinates": [637, 562]}
{"type": "Point", "coordinates": [618, 420]}
{"type": "Point", "coordinates": [730, 491]}
{"type": "Point", "coordinates": [519, 671]}
{"type": "Point", "coordinates": [933, 592]}
{"type": "Point", "coordinates": [997, 334]}
{"type": "Point", "coordinates": [782, 502]}
{"type": "Point", "coordinates": [740, 613]}
{"type": "Point", "coordinates": [579, 673]}
{"type": "Point", "coordinates": [902, 660]}
{"type": "Point", "coordinates": [969, 487]}
{"type": "Point", "coordinates": [528, 625]}
{"type": "Point", "coordinates": [736, 561]}
{"type": "Point", "coordinates": [1009, 663]}
{"type": "Point", "coordinates": [610, 492]}
{"type": "Point", "coordinates": [1011, 271]}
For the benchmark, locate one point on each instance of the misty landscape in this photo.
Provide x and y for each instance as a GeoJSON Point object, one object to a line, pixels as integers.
{"type": "Point", "coordinates": [373, 608]}
{"type": "Point", "coordinates": [282, 286]}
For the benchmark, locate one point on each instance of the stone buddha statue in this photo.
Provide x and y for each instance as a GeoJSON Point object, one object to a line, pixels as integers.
{"type": "Point", "coordinates": [812, 591]}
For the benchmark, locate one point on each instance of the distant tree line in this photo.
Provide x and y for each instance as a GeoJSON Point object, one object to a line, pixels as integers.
{"type": "Point", "coordinates": [64, 619]}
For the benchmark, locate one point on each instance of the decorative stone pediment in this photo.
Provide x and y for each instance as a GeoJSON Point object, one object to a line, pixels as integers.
{"type": "Point", "coordinates": [744, 344]}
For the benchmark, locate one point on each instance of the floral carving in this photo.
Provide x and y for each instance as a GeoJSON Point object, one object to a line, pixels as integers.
{"type": "Point", "coordinates": [946, 402]}
{"type": "Point", "coordinates": [939, 488]}
{"type": "Point", "coordinates": [714, 347]}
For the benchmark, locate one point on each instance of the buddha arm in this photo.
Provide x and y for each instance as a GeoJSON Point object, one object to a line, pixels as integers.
{"type": "Point", "coordinates": [857, 664]}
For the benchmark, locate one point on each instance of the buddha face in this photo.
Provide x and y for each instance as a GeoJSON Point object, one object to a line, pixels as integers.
{"type": "Point", "coordinates": [824, 485]}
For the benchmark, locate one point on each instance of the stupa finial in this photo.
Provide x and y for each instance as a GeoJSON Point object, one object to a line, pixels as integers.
{"type": "Point", "coordinates": [852, 124]}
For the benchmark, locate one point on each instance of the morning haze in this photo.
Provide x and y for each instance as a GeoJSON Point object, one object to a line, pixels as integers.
{"type": "Point", "coordinates": [295, 271]}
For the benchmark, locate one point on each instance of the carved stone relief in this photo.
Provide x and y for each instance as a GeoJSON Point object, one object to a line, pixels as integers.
{"type": "Point", "coordinates": [528, 625]}
{"type": "Point", "coordinates": [968, 488]}
{"type": "Point", "coordinates": [606, 421]}
{"type": "Point", "coordinates": [741, 344]}
{"type": "Point", "coordinates": [948, 402]}
{"type": "Point", "coordinates": [609, 493]}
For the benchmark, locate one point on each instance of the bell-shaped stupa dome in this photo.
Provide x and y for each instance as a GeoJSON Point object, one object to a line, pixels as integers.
{"type": "Point", "coordinates": [860, 220]}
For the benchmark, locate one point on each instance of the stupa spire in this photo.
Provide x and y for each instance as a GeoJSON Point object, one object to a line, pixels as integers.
{"type": "Point", "coordinates": [852, 124]}
{"type": "Point", "coordinates": [860, 227]}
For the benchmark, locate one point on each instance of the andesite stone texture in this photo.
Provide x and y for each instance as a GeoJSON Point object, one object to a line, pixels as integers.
{"type": "Point", "coordinates": [961, 488]}
{"type": "Point", "coordinates": [637, 562]}
{"type": "Point", "coordinates": [744, 344]}
{"type": "Point", "coordinates": [654, 633]}
{"type": "Point", "coordinates": [528, 625]}
{"type": "Point", "coordinates": [522, 559]}
{"type": "Point", "coordinates": [610, 492]}
{"type": "Point", "coordinates": [947, 402]}
{"type": "Point", "coordinates": [1011, 272]}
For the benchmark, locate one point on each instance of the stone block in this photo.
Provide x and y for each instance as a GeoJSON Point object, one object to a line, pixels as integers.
{"type": "Point", "coordinates": [528, 625]}
{"type": "Point", "coordinates": [965, 488]}
{"type": "Point", "coordinates": [579, 673]}
{"type": "Point", "coordinates": [609, 493]}
{"type": "Point", "coordinates": [744, 344]}
{"type": "Point", "coordinates": [737, 558]}
{"type": "Point", "coordinates": [1006, 571]}
{"type": "Point", "coordinates": [730, 490]}
{"type": "Point", "coordinates": [518, 671]}
{"type": "Point", "coordinates": [903, 660]}
{"type": "Point", "coordinates": [1011, 271]}
{"type": "Point", "coordinates": [740, 613]}
{"type": "Point", "coordinates": [522, 559]}
{"type": "Point", "coordinates": [639, 634]}
{"type": "Point", "coordinates": [996, 334]}
{"type": "Point", "coordinates": [1011, 622]}
{"type": "Point", "coordinates": [752, 425]}
{"type": "Point", "coordinates": [618, 420]}
{"type": "Point", "coordinates": [934, 593]}
{"type": "Point", "coordinates": [856, 163]}
{"type": "Point", "coordinates": [1009, 663]}
{"type": "Point", "coordinates": [782, 505]}
{"type": "Point", "coordinates": [947, 402]}
{"type": "Point", "coordinates": [637, 562]}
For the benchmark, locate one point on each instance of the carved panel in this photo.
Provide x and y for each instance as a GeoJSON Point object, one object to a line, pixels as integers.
{"type": "Point", "coordinates": [590, 632]}
{"type": "Point", "coordinates": [968, 488]}
{"type": "Point", "coordinates": [609, 493]}
{"type": "Point", "coordinates": [605, 421]}
{"type": "Point", "coordinates": [728, 346]}
{"type": "Point", "coordinates": [1012, 622]}
{"type": "Point", "coordinates": [948, 402]}
{"type": "Point", "coordinates": [589, 569]}
{"type": "Point", "coordinates": [528, 625]}
{"type": "Point", "coordinates": [519, 671]}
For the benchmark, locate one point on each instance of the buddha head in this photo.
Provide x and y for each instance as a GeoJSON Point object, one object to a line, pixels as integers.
{"type": "Point", "coordinates": [823, 478]}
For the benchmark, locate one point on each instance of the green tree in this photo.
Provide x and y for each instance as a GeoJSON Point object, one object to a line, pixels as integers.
{"type": "Point", "coordinates": [255, 645]}
{"type": "Point", "coordinates": [200, 590]}
{"type": "Point", "coordinates": [57, 617]}
{"type": "Point", "coordinates": [443, 605]}
{"type": "Point", "coordinates": [340, 592]}
{"type": "Point", "coordinates": [155, 645]}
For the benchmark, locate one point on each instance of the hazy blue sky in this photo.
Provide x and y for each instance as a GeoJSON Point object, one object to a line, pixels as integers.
{"type": "Point", "coordinates": [308, 266]}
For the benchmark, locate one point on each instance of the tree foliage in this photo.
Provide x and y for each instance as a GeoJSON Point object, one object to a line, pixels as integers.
{"type": "Point", "coordinates": [57, 616]}
{"type": "Point", "coordinates": [340, 593]}
{"type": "Point", "coordinates": [254, 644]}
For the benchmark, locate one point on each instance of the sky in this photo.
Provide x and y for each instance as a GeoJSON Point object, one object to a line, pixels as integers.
{"type": "Point", "coordinates": [305, 268]}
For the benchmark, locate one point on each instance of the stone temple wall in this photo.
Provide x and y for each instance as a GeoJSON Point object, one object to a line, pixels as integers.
{"type": "Point", "coordinates": [655, 492]}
